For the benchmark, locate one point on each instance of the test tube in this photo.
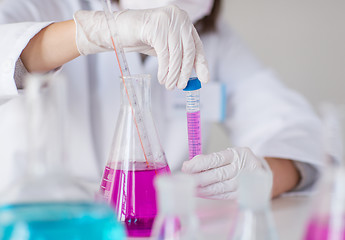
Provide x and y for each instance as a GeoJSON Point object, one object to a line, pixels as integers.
{"type": "Point", "coordinates": [193, 116]}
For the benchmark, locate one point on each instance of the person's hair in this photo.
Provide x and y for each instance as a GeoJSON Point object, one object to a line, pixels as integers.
{"type": "Point", "coordinates": [208, 23]}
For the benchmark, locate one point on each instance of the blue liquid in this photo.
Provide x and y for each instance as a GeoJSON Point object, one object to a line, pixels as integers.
{"type": "Point", "coordinates": [57, 221]}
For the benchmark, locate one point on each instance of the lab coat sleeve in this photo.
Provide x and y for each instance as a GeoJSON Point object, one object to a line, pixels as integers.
{"type": "Point", "coordinates": [19, 74]}
{"type": "Point", "coordinates": [263, 114]}
{"type": "Point", "coordinates": [15, 38]}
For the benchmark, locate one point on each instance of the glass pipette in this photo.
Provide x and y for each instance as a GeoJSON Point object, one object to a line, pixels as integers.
{"type": "Point", "coordinates": [193, 116]}
{"type": "Point", "coordinates": [130, 91]}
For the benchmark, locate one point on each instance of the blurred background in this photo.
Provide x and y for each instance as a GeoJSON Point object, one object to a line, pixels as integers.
{"type": "Point", "coordinates": [302, 41]}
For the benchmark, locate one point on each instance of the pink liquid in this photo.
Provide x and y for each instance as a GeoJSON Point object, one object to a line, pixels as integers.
{"type": "Point", "coordinates": [133, 195]}
{"type": "Point", "coordinates": [320, 230]}
{"type": "Point", "coordinates": [170, 229]}
{"type": "Point", "coordinates": [194, 135]}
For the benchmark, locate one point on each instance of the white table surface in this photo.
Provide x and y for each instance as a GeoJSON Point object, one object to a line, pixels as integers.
{"type": "Point", "coordinates": [290, 215]}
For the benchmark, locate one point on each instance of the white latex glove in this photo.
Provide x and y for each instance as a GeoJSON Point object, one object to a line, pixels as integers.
{"type": "Point", "coordinates": [218, 173]}
{"type": "Point", "coordinates": [166, 32]}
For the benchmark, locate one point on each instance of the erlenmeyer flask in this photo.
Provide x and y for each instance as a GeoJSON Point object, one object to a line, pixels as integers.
{"type": "Point", "coordinates": [127, 182]}
{"type": "Point", "coordinates": [254, 220]}
{"type": "Point", "coordinates": [327, 219]}
{"type": "Point", "coordinates": [176, 219]}
{"type": "Point", "coordinates": [46, 202]}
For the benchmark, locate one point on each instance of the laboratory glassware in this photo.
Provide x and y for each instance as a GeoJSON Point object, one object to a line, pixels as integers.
{"type": "Point", "coordinates": [137, 111]}
{"type": "Point", "coordinates": [327, 219]}
{"type": "Point", "coordinates": [127, 182]}
{"type": "Point", "coordinates": [46, 201]}
{"type": "Point", "coordinates": [176, 200]}
{"type": "Point", "coordinates": [254, 220]}
{"type": "Point", "coordinates": [193, 116]}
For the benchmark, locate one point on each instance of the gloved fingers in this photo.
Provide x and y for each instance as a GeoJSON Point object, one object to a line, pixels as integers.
{"type": "Point", "coordinates": [200, 63]}
{"type": "Point", "coordinates": [216, 175]}
{"type": "Point", "coordinates": [163, 62]}
{"type": "Point", "coordinates": [205, 162]}
{"type": "Point", "coordinates": [175, 59]}
{"type": "Point", "coordinates": [147, 50]}
{"type": "Point", "coordinates": [223, 196]}
{"type": "Point", "coordinates": [218, 188]}
{"type": "Point", "coordinates": [188, 56]}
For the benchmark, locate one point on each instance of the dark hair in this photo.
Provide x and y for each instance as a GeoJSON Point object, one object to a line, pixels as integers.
{"type": "Point", "coordinates": [208, 23]}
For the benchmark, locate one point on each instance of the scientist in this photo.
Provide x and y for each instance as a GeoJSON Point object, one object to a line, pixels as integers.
{"type": "Point", "coordinates": [269, 120]}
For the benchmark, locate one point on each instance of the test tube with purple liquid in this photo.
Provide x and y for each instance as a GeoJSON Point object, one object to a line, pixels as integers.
{"type": "Point", "coordinates": [193, 116]}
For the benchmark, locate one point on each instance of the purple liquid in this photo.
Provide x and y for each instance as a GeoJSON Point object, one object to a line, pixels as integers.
{"type": "Point", "coordinates": [170, 229]}
{"type": "Point", "coordinates": [194, 135]}
{"type": "Point", "coordinates": [133, 195]}
{"type": "Point", "coordinates": [320, 230]}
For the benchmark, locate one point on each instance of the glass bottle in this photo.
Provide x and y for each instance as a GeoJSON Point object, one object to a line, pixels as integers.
{"type": "Point", "coordinates": [254, 220]}
{"type": "Point", "coordinates": [177, 219]}
{"type": "Point", "coordinates": [127, 182]}
{"type": "Point", "coordinates": [327, 219]}
{"type": "Point", "coordinates": [45, 201]}
{"type": "Point", "coordinates": [327, 222]}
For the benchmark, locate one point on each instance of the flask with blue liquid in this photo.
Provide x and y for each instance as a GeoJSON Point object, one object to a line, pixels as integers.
{"type": "Point", "coordinates": [46, 201]}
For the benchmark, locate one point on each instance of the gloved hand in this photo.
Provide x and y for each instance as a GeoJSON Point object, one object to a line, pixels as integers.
{"type": "Point", "coordinates": [218, 173]}
{"type": "Point", "coordinates": [166, 32]}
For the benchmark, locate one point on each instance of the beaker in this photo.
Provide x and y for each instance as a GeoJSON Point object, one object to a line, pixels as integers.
{"type": "Point", "coordinates": [45, 201]}
{"type": "Point", "coordinates": [136, 158]}
{"type": "Point", "coordinates": [176, 219]}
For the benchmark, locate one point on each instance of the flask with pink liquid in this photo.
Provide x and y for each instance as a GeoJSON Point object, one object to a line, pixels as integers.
{"type": "Point", "coordinates": [136, 158]}
{"type": "Point", "coordinates": [327, 219]}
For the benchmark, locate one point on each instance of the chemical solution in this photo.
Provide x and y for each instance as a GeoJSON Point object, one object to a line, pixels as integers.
{"type": "Point", "coordinates": [321, 231]}
{"type": "Point", "coordinates": [56, 221]}
{"type": "Point", "coordinates": [133, 195]}
{"type": "Point", "coordinates": [194, 136]}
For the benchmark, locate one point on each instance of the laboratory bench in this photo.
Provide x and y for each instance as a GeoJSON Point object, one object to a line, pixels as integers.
{"type": "Point", "coordinates": [290, 215]}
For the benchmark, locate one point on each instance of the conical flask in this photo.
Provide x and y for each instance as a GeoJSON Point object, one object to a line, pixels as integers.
{"type": "Point", "coordinates": [136, 158]}
{"type": "Point", "coordinates": [327, 218]}
{"type": "Point", "coordinates": [254, 220]}
{"type": "Point", "coordinates": [45, 201]}
{"type": "Point", "coordinates": [327, 221]}
{"type": "Point", "coordinates": [177, 219]}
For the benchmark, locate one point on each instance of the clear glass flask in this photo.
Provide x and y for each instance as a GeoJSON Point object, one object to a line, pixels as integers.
{"type": "Point", "coordinates": [128, 176]}
{"type": "Point", "coordinates": [45, 201]}
{"type": "Point", "coordinates": [177, 219]}
{"type": "Point", "coordinates": [327, 222]}
{"type": "Point", "coordinates": [254, 220]}
{"type": "Point", "coordinates": [327, 219]}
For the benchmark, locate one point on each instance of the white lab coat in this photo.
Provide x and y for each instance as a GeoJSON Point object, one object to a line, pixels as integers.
{"type": "Point", "coordinates": [261, 112]}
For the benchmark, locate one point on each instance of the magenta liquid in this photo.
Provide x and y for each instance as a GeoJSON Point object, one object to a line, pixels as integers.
{"type": "Point", "coordinates": [170, 228]}
{"type": "Point", "coordinates": [194, 135]}
{"type": "Point", "coordinates": [133, 195]}
{"type": "Point", "coordinates": [320, 230]}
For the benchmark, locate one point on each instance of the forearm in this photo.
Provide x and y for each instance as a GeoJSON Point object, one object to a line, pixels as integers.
{"type": "Point", "coordinates": [52, 47]}
{"type": "Point", "coordinates": [285, 175]}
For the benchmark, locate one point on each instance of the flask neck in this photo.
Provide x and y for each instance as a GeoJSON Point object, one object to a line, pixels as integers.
{"type": "Point", "coordinates": [45, 101]}
{"type": "Point", "coordinates": [45, 178]}
{"type": "Point", "coordinates": [136, 89]}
